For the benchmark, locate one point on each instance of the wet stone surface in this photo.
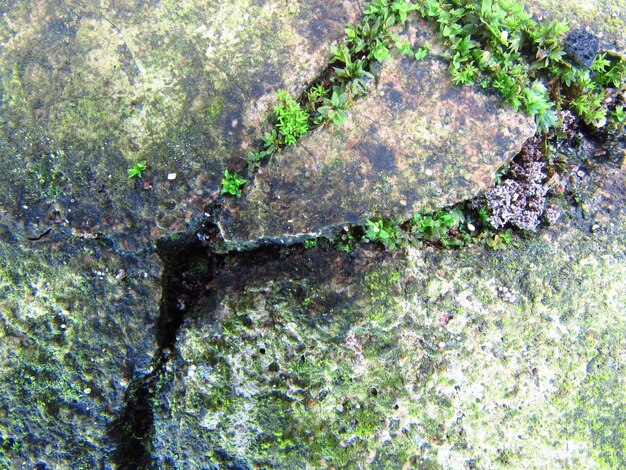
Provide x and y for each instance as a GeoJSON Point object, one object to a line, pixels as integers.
{"type": "Point", "coordinates": [416, 143]}
{"type": "Point", "coordinates": [289, 358]}
{"type": "Point", "coordinates": [605, 19]}
{"type": "Point", "coordinates": [90, 88]}
{"type": "Point", "coordinates": [437, 359]}
{"type": "Point", "coordinates": [87, 89]}
{"type": "Point", "coordinates": [77, 325]}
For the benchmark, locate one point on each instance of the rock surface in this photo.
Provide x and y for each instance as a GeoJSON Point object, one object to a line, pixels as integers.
{"type": "Point", "coordinates": [77, 320]}
{"type": "Point", "coordinates": [455, 359]}
{"type": "Point", "coordinates": [603, 18]}
{"type": "Point", "coordinates": [87, 89]}
{"type": "Point", "coordinates": [287, 343]}
{"type": "Point", "coordinates": [416, 143]}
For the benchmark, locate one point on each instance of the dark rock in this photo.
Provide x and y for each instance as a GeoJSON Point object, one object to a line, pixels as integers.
{"type": "Point", "coordinates": [581, 47]}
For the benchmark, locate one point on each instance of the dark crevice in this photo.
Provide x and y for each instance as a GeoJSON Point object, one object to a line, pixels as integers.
{"type": "Point", "coordinates": [189, 265]}
{"type": "Point", "coordinates": [191, 270]}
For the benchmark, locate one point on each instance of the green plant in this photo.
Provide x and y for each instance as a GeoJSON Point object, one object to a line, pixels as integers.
{"type": "Point", "coordinates": [137, 170]}
{"type": "Point", "coordinates": [232, 183]}
{"type": "Point", "coordinates": [316, 95]}
{"type": "Point", "coordinates": [271, 142]}
{"type": "Point", "coordinates": [292, 121]}
{"type": "Point", "coordinates": [310, 243]}
{"type": "Point", "coordinates": [422, 52]}
{"type": "Point", "coordinates": [498, 43]}
{"type": "Point", "coordinates": [334, 108]}
{"type": "Point", "coordinates": [352, 72]}
{"type": "Point", "coordinates": [345, 242]}
{"type": "Point", "coordinates": [619, 114]}
{"type": "Point", "coordinates": [538, 105]}
{"type": "Point", "coordinates": [436, 227]}
{"type": "Point", "coordinates": [500, 240]}
{"type": "Point", "coordinates": [384, 231]}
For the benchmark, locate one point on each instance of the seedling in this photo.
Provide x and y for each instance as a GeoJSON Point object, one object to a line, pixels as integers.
{"type": "Point", "coordinates": [422, 52]}
{"type": "Point", "coordinates": [333, 109]}
{"type": "Point", "coordinates": [383, 231]}
{"type": "Point", "coordinates": [310, 243]}
{"type": "Point", "coordinates": [137, 170]}
{"type": "Point", "coordinates": [232, 183]}
{"type": "Point", "coordinates": [292, 121]}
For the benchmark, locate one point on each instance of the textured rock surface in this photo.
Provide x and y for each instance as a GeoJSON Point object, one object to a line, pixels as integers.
{"type": "Point", "coordinates": [90, 88]}
{"type": "Point", "coordinates": [604, 18]}
{"type": "Point", "coordinates": [320, 341]}
{"type": "Point", "coordinates": [77, 324]}
{"type": "Point", "coordinates": [455, 359]}
{"type": "Point", "coordinates": [416, 143]}
{"type": "Point", "coordinates": [86, 90]}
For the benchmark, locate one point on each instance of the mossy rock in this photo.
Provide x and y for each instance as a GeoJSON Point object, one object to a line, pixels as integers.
{"type": "Point", "coordinates": [87, 91]}
{"type": "Point", "coordinates": [416, 143]}
{"type": "Point", "coordinates": [77, 326]}
{"type": "Point", "coordinates": [438, 359]}
{"type": "Point", "coordinates": [605, 19]}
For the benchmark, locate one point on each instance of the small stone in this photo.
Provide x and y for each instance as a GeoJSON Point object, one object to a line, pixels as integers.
{"type": "Point", "coordinates": [87, 391]}
{"type": "Point", "coordinates": [581, 47]}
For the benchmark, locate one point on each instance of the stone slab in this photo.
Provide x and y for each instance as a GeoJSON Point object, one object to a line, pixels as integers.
{"type": "Point", "coordinates": [439, 359]}
{"type": "Point", "coordinates": [416, 143]}
{"type": "Point", "coordinates": [90, 88]}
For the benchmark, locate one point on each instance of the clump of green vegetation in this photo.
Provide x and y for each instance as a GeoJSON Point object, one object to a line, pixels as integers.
{"type": "Point", "coordinates": [619, 114]}
{"type": "Point", "coordinates": [292, 122]}
{"type": "Point", "coordinates": [437, 226]}
{"type": "Point", "coordinates": [137, 169]}
{"type": "Point", "coordinates": [366, 42]}
{"type": "Point", "coordinates": [500, 240]}
{"type": "Point", "coordinates": [271, 142]}
{"type": "Point", "coordinates": [498, 42]}
{"type": "Point", "coordinates": [310, 243]}
{"type": "Point", "coordinates": [346, 240]}
{"type": "Point", "coordinates": [384, 231]}
{"type": "Point", "coordinates": [333, 109]}
{"type": "Point", "coordinates": [232, 184]}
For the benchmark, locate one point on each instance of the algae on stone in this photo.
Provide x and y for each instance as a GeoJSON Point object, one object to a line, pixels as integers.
{"type": "Point", "coordinates": [441, 359]}
{"type": "Point", "coordinates": [416, 143]}
{"type": "Point", "coordinates": [76, 327]}
{"type": "Point", "coordinates": [185, 86]}
{"type": "Point", "coordinates": [87, 89]}
{"type": "Point", "coordinates": [603, 18]}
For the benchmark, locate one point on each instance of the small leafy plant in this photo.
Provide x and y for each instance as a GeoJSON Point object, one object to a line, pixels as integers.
{"type": "Point", "coordinates": [443, 227]}
{"type": "Point", "coordinates": [292, 121]}
{"type": "Point", "coordinates": [384, 231]}
{"type": "Point", "coordinates": [334, 108]}
{"type": "Point", "coordinates": [351, 71]}
{"type": "Point", "coordinates": [310, 243]}
{"type": "Point", "coordinates": [137, 169]}
{"type": "Point", "coordinates": [232, 183]}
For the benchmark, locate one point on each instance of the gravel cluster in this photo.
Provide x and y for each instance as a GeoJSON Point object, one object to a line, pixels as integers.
{"type": "Point", "coordinates": [521, 199]}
